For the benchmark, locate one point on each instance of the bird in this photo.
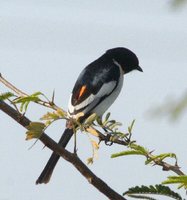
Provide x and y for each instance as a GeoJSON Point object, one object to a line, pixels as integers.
{"type": "Point", "coordinates": [95, 90]}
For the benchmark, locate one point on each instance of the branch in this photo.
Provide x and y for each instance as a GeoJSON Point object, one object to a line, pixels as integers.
{"type": "Point", "coordinates": [12, 87]}
{"type": "Point", "coordinates": [165, 166]}
{"type": "Point", "coordinates": [70, 157]}
{"type": "Point", "coordinates": [106, 137]}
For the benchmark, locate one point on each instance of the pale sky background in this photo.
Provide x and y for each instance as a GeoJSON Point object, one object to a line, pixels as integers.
{"type": "Point", "coordinates": [45, 44]}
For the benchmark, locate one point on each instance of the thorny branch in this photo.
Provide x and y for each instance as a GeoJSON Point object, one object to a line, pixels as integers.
{"type": "Point", "coordinates": [70, 157]}
{"type": "Point", "coordinates": [165, 166]}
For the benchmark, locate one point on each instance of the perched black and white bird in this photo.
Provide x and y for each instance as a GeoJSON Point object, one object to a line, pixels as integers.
{"type": "Point", "coordinates": [96, 88]}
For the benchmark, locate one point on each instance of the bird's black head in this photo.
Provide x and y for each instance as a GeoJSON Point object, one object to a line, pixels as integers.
{"type": "Point", "coordinates": [125, 58]}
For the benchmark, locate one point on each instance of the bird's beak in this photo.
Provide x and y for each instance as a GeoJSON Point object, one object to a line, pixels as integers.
{"type": "Point", "coordinates": [139, 69]}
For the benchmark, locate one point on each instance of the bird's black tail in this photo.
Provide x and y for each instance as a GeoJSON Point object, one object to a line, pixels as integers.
{"type": "Point", "coordinates": [48, 169]}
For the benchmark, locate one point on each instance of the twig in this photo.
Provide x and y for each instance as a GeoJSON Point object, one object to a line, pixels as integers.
{"type": "Point", "coordinates": [167, 167]}
{"type": "Point", "coordinates": [70, 157]}
{"type": "Point", "coordinates": [25, 122]}
{"type": "Point", "coordinates": [20, 93]}
{"type": "Point", "coordinates": [12, 87]}
{"type": "Point", "coordinates": [103, 137]}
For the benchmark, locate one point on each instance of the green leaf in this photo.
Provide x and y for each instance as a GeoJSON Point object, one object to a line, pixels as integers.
{"type": "Point", "coordinates": [6, 95]}
{"type": "Point", "coordinates": [181, 180]}
{"type": "Point", "coordinates": [135, 150]}
{"type": "Point", "coordinates": [25, 100]}
{"type": "Point", "coordinates": [139, 148]}
{"type": "Point", "coordinates": [38, 126]}
{"type": "Point", "coordinates": [112, 121]}
{"type": "Point", "coordinates": [61, 113]}
{"type": "Point", "coordinates": [131, 126]}
{"type": "Point", "coordinates": [35, 129]}
{"type": "Point", "coordinates": [114, 125]}
{"type": "Point", "coordinates": [161, 157]}
{"type": "Point", "coordinates": [24, 106]}
{"type": "Point", "coordinates": [53, 115]}
{"type": "Point", "coordinates": [99, 121]}
{"type": "Point", "coordinates": [126, 153]}
{"type": "Point", "coordinates": [50, 117]}
{"type": "Point", "coordinates": [36, 94]}
{"type": "Point", "coordinates": [137, 191]}
{"type": "Point", "coordinates": [90, 119]}
{"type": "Point", "coordinates": [120, 135]}
{"type": "Point", "coordinates": [107, 116]}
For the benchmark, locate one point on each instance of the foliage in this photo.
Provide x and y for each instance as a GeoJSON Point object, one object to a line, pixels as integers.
{"type": "Point", "coordinates": [107, 124]}
{"type": "Point", "coordinates": [105, 129]}
{"type": "Point", "coordinates": [35, 129]}
{"type": "Point", "coordinates": [144, 192]}
{"type": "Point", "coordinates": [25, 100]}
{"type": "Point", "coordinates": [140, 150]}
{"type": "Point", "coordinates": [134, 150]}
{"type": "Point", "coordinates": [6, 95]}
{"type": "Point", "coordinates": [181, 180]}
{"type": "Point", "coordinates": [50, 117]}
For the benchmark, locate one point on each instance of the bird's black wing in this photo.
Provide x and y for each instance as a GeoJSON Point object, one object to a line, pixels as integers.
{"type": "Point", "coordinates": [95, 81]}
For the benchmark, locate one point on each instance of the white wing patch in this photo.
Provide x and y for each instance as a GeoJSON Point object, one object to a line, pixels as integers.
{"type": "Point", "coordinates": [87, 101]}
{"type": "Point", "coordinates": [92, 100]}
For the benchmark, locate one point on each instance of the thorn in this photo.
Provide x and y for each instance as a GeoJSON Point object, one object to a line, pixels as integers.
{"type": "Point", "coordinates": [151, 151]}
{"type": "Point", "coordinates": [53, 96]}
{"type": "Point", "coordinates": [176, 165]}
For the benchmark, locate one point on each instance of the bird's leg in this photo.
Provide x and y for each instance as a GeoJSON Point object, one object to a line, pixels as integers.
{"type": "Point", "coordinates": [75, 143]}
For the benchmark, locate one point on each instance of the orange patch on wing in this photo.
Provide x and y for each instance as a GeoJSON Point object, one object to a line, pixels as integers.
{"type": "Point", "coordinates": [82, 90]}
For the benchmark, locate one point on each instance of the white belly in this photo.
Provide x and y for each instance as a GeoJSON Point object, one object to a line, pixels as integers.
{"type": "Point", "coordinates": [106, 103]}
